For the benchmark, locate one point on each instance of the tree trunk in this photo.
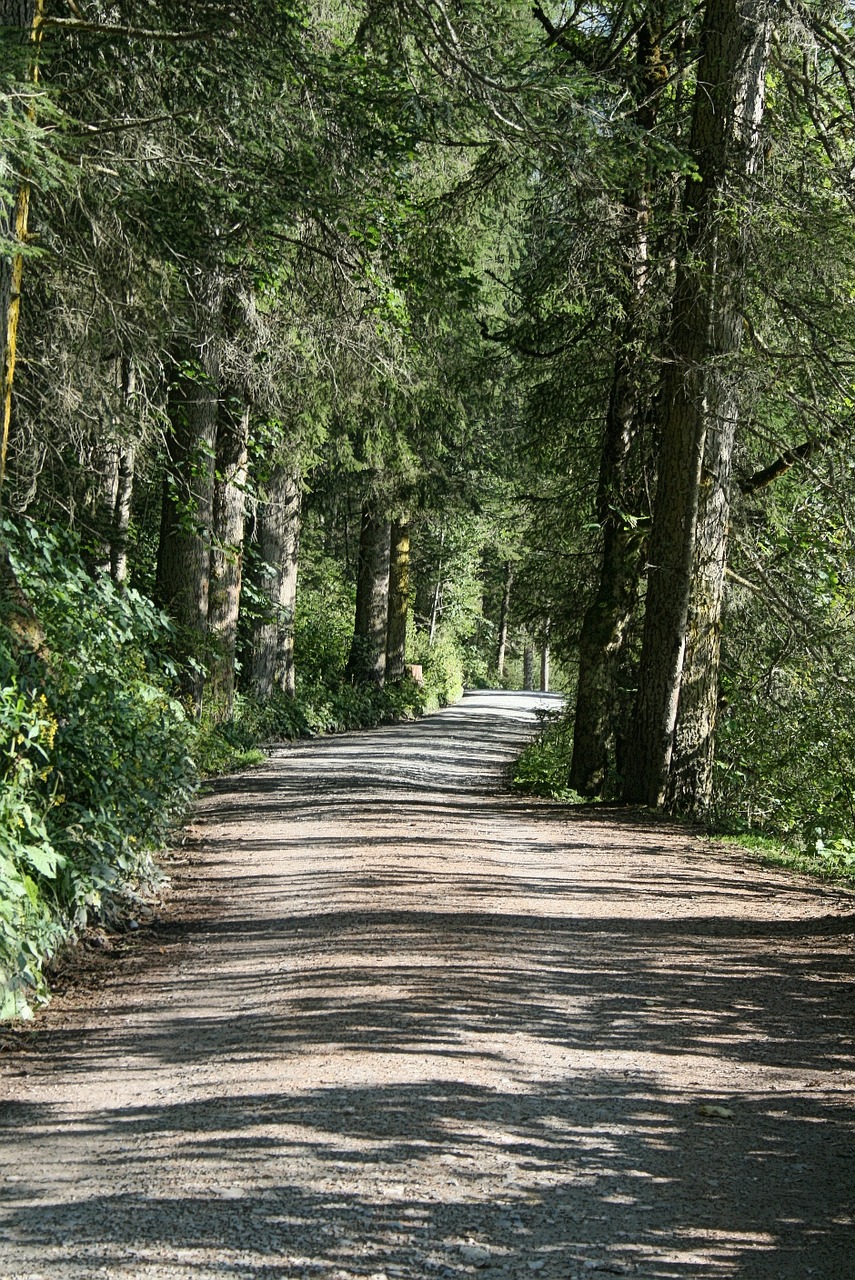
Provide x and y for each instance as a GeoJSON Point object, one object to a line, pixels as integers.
{"type": "Point", "coordinates": [102, 500]}
{"type": "Point", "coordinates": [691, 775]}
{"type": "Point", "coordinates": [504, 617]}
{"type": "Point", "coordinates": [124, 487]}
{"type": "Point", "coordinates": [690, 782]}
{"type": "Point", "coordinates": [437, 595]}
{"type": "Point", "coordinates": [608, 616]}
{"type": "Point", "coordinates": [367, 661]}
{"type": "Point", "coordinates": [544, 662]}
{"type": "Point", "coordinates": [23, 22]}
{"type": "Point", "coordinates": [122, 515]}
{"type": "Point", "coordinates": [620, 491]}
{"type": "Point", "coordinates": [528, 664]}
{"type": "Point", "coordinates": [229, 511]}
{"type": "Point", "coordinates": [184, 550]}
{"type": "Point", "coordinates": [399, 599]}
{"type": "Point", "coordinates": [704, 337]}
{"type": "Point", "coordinates": [271, 660]}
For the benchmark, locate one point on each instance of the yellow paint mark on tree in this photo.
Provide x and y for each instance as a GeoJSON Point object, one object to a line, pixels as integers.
{"type": "Point", "coordinates": [21, 225]}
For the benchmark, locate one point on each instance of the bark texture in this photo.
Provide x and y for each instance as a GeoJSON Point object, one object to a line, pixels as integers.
{"type": "Point", "coordinates": [528, 665]}
{"type": "Point", "coordinates": [436, 605]}
{"type": "Point", "coordinates": [20, 22]}
{"type": "Point", "coordinates": [229, 511]}
{"type": "Point", "coordinates": [504, 617]}
{"type": "Point", "coordinates": [184, 550]}
{"type": "Point", "coordinates": [21, 19]}
{"type": "Point", "coordinates": [704, 336]}
{"type": "Point", "coordinates": [271, 658]}
{"type": "Point", "coordinates": [690, 778]}
{"type": "Point", "coordinates": [102, 497]}
{"type": "Point", "coordinates": [121, 515]}
{"type": "Point", "coordinates": [691, 772]}
{"type": "Point", "coordinates": [620, 492]}
{"type": "Point", "coordinates": [367, 661]}
{"type": "Point", "coordinates": [399, 599]}
{"type": "Point", "coordinates": [545, 663]}
{"type": "Point", "coordinates": [607, 617]}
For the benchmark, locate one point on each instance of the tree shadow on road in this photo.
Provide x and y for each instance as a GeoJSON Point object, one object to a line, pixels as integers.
{"type": "Point", "coordinates": [510, 1029]}
{"type": "Point", "coordinates": [584, 1159]}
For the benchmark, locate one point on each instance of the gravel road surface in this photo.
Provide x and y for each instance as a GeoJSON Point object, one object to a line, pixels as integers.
{"type": "Point", "coordinates": [393, 1021]}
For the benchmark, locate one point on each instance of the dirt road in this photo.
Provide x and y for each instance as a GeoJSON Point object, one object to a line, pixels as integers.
{"type": "Point", "coordinates": [395, 1022]}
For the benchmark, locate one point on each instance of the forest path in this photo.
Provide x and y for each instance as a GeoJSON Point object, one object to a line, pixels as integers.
{"type": "Point", "coordinates": [396, 1022]}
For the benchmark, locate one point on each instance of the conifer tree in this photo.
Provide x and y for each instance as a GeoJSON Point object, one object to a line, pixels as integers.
{"type": "Point", "coordinates": [696, 398]}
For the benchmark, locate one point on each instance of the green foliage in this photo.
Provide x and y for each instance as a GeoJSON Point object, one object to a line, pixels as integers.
{"type": "Point", "coordinates": [28, 859]}
{"type": "Point", "coordinates": [100, 764]}
{"type": "Point", "coordinates": [835, 861]}
{"type": "Point", "coordinates": [787, 756]}
{"type": "Point", "coordinates": [336, 709]}
{"type": "Point", "coordinates": [427, 292]}
{"type": "Point", "coordinates": [231, 746]}
{"type": "Point", "coordinates": [544, 765]}
{"type": "Point", "coordinates": [478, 671]}
{"type": "Point", "coordinates": [442, 667]}
{"type": "Point", "coordinates": [786, 742]}
{"type": "Point", "coordinates": [332, 708]}
{"type": "Point", "coordinates": [323, 625]}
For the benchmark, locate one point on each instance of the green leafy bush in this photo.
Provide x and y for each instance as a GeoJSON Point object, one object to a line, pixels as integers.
{"type": "Point", "coordinates": [442, 668]}
{"type": "Point", "coordinates": [478, 673]}
{"type": "Point", "coordinates": [323, 625]}
{"type": "Point", "coordinates": [786, 739]}
{"type": "Point", "coordinates": [28, 858]}
{"type": "Point", "coordinates": [317, 708]}
{"type": "Point", "coordinates": [786, 761]}
{"type": "Point", "coordinates": [543, 767]}
{"type": "Point", "coordinates": [100, 765]}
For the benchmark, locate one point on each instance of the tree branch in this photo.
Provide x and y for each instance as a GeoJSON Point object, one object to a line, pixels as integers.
{"type": "Point", "coordinates": [801, 453]}
{"type": "Point", "coordinates": [139, 33]}
{"type": "Point", "coordinates": [506, 338]}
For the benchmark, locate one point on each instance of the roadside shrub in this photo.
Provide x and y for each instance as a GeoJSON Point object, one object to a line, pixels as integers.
{"type": "Point", "coordinates": [316, 708]}
{"type": "Point", "coordinates": [323, 624]}
{"type": "Point", "coordinates": [786, 757]}
{"type": "Point", "coordinates": [785, 762]}
{"type": "Point", "coordinates": [442, 668]}
{"type": "Point", "coordinates": [28, 858]}
{"type": "Point", "coordinates": [543, 766]}
{"type": "Point", "coordinates": [478, 673]}
{"type": "Point", "coordinates": [103, 763]}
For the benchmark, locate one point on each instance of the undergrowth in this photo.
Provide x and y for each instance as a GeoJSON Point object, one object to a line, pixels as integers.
{"type": "Point", "coordinates": [96, 761]}
{"type": "Point", "coordinates": [833, 861]}
{"type": "Point", "coordinates": [543, 767]}
{"type": "Point", "coordinates": [317, 709]}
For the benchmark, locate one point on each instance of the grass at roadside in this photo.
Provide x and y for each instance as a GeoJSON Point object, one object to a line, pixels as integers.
{"type": "Point", "coordinates": [833, 862]}
{"type": "Point", "coordinates": [543, 767]}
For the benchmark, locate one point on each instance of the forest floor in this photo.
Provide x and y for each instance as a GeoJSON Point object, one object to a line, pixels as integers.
{"type": "Point", "coordinates": [393, 1021]}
